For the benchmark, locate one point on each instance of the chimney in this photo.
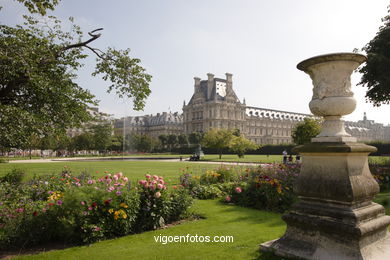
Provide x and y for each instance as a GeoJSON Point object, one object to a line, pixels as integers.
{"type": "Point", "coordinates": [210, 84]}
{"type": "Point", "coordinates": [229, 82]}
{"type": "Point", "coordinates": [197, 84]}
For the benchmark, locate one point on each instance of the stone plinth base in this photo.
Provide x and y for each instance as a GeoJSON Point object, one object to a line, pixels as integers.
{"type": "Point", "coordinates": [323, 232]}
{"type": "Point", "coordinates": [335, 217]}
{"type": "Point", "coordinates": [377, 251]}
{"type": "Point", "coordinates": [333, 139]}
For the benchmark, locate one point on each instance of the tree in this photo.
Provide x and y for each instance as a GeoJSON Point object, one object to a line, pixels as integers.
{"type": "Point", "coordinates": [163, 140]}
{"type": "Point", "coordinates": [195, 138]}
{"type": "Point", "coordinates": [172, 141]}
{"type": "Point", "coordinates": [116, 143]}
{"type": "Point", "coordinates": [39, 61]}
{"type": "Point", "coordinates": [240, 145]}
{"type": "Point", "coordinates": [218, 139]}
{"type": "Point", "coordinates": [83, 142]}
{"type": "Point", "coordinates": [305, 131]}
{"type": "Point", "coordinates": [182, 140]}
{"type": "Point", "coordinates": [143, 143]}
{"type": "Point", "coordinates": [101, 135]}
{"type": "Point", "coordinates": [376, 70]}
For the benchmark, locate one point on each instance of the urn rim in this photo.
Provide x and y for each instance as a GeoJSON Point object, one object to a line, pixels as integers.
{"type": "Point", "coordinates": [339, 56]}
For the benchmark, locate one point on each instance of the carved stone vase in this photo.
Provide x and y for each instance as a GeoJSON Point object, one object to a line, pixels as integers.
{"type": "Point", "coordinates": [335, 217]}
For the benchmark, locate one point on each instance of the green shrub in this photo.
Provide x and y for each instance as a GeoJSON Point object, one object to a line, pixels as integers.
{"type": "Point", "coordinates": [220, 175]}
{"type": "Point", "coordinates": [159, 206]}
{"type": "Point", "coordinates": [268, 187]}
{"type": "Point", "coordinates": [15, 176]}
{"type": "Point", "coordinates": [84, 209]}
{"type": "Point", "coordinates": [3, 160]}
{"type": "Point", "coordinates": [206, 192]}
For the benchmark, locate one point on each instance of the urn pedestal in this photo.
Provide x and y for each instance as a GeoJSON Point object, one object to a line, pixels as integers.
{"type": "Point", "coordinates": [335, 217]}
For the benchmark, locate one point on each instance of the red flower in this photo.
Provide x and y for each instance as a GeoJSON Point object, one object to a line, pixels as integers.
{"type": "Point", "coordinates": [94, 204]}
{"type": "Point", "coordinates": [35, 213]}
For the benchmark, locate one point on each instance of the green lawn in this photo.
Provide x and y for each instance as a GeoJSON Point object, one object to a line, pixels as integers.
{"type": "Point", "coordinates": [248, 227]}
{"type": "Point", "coordinates": [256, 158]}
{"type": "Point", "coordinates": [134, 170]}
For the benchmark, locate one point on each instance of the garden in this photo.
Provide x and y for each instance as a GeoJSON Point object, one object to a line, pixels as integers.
{"type": "Point", "coordinates": [112, 213]}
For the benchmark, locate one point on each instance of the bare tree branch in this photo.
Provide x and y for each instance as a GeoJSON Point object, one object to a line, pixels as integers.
{"type": "Point", "coordinates": [84, 44]}
{"type": "Point", "coordinates": [95, 51]}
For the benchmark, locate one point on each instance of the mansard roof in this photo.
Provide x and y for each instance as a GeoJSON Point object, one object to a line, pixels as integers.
{"type": "Point", "coordinates": [165, 118]}
{"type": "Point", "coordinates": [275, 114]}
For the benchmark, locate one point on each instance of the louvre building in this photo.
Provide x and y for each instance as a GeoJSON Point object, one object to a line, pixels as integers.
{"type": "Point", "coordinates": [214, 104]}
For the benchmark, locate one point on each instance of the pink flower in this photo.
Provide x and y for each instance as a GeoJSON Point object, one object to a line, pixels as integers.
{"type": "Point", "coordinates": [20, 210]}
{"type": "Point", "coordinates": [115, 177]}
{"type": "Point", "coordinates": [108, 181]}
{"type": "Point", "coordinates": [147, 176]}
{"type": "Point", "coordinates": [90, 181]}
{"type": "Point", "coordinates": [125, 179]}
{"type": "Point", "coordinates": [228, 199]}
{"type": "Point", "coordinates": [110, 189]}
{"type": "Point", "coordinates": [142, 182]}
{"type": "Point", "coordinates": [160, 186]}
{"type": "Point", "coordinates": [174, 187]}
{"type": "Point", "coordinates": [82, 203]}
{"type": "Point", "coordinates": [157, 194]}
{"type": "Point", "coordinates": [50, 192]}
{"type": "Point", "coordinates": [59, 202]}
{"type": "Point", "coordinates": [154, 182]}
{"type": "Point", "coordinates": [90, 208]}
{"type": "Point", "coordinates": [152, 187]}
{"type": "Point", "coordinates": [155, 177]}
{"type": "Point", "coordinates": [78, 184]}
{"type": "Point", "coordinates": [238, 189]}
{"type": "Point", "coordinates": [120, 174]}
{"type": "Point", "coordinates": [118, 193]}
{"type": "Point", "coordinates": [98, 228]}
{"type": "Point", "coordinates": [161, 181]}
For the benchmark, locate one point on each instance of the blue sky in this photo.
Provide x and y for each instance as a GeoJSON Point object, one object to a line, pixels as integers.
{"type": "Point", "coordinates": [259, 42]}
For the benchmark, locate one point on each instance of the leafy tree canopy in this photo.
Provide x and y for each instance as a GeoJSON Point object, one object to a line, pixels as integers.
{"type": "Point", "coordinates": [376, 70]}
{"type": "Point", "coordinates": [218, 139]}
{"type": "Point", "coordinates": [39, 62]}
{"type": "Point", "coordinates": [306, 130]}
{"type": "Point", "coordinates": [241, 144]}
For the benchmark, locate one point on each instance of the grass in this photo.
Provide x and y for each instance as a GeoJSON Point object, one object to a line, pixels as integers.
{"type": "Point", "coordinates": [248, 227]}
{"type": "Point", "coordinates": [14, 158]}
{"type": "Point", "coordinates": [247, 158]}
{"type": "Point", "coordinates": [134, 170]}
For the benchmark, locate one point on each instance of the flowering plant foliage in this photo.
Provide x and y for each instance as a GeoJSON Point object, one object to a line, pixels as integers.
{"type": "Point", "coordinates": [84, 209]}
{"type": "Point", "coordinates": [267, 187]}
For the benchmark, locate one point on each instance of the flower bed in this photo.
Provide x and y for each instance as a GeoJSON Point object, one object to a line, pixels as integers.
{"type": "Point", "coordinates": [85, 209]}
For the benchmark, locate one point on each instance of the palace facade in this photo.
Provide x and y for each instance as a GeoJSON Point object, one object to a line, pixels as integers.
{"type": "Point", "coordinates": [214, 104]}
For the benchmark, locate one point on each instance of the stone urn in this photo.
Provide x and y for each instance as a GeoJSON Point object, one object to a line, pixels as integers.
{"type": "Point", "coordinates": [332, 94]}
{"type": "Point", "coordinates": [335, 217]}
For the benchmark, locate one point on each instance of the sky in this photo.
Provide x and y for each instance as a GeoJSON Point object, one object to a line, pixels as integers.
{"type": "Point", "coordinates": [259, 42]}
